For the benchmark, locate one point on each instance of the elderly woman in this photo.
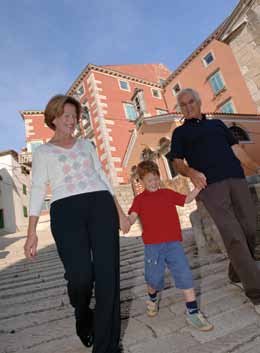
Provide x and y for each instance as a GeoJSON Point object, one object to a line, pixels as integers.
{"type": "Point", "coordinates": [84, 223]}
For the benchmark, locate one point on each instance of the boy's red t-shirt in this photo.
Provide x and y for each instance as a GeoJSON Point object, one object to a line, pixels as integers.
{"type": "Point", "coordinates": [158, 215]}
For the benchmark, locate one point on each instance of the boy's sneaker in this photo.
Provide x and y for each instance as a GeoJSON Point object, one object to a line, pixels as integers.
{"type": "Point", "coordinates": [152, 308]}
{"type": "Point", "coordinates": [199, 321]}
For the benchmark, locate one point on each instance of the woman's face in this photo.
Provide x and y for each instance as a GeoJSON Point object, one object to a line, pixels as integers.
{"type": "Point", "coordinates": [66, 123]}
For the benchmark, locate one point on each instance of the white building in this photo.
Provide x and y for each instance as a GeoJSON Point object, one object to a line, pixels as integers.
{"type": "Point", "coordinates": [14, 184]}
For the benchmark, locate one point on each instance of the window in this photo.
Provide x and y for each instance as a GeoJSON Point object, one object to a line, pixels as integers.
{"type": "Point", "coordinates": [161, 111]}
{"type": "Point", "coordinates": [24, 189]}
{"type": "Point", "coordinates": [227, 107]}
{"type": "Point", "coordinates": [2, 224]}
{"type": "Point", "coordinates": [176, 89]}
{"type": "Point", "coordinates": [162, 81]}
{"type": "Point", "coordinates": [35, 144]}
{"type": "Point", "coordinates": [25, 212]}
{"type": "Point", "coordinates": [80, 90]}
{"type": "Point", "coordinates": [208, 59]}
{"type": "Point", "coordinates": [130, 111]}
{"type": "Point", "coordinates": [138, 102]}
{"type": "Point", "coordinates": [239, 133]}
{"type": "Point", "coordinates": [156, 93]}
{"type": "Point", "coordinates": [85, 116]}
{"type": "Point", "coordinates": [216, 82]}
{"type": "Point", "coordinates": [124, 85]}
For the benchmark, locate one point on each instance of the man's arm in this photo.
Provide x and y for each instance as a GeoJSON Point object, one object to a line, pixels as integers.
{"type": "Point", "coordinates": [245, 159]}
{"type": "Point", "coordinates": [198, 179]}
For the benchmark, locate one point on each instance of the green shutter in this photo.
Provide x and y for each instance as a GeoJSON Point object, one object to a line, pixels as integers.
{"type": "Point", "coordinates": [25, 212]}
{"type": "Point", "coordinates": [2, 225]}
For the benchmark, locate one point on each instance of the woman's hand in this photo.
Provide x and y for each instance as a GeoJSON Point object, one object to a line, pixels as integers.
{"type": "Point", "coordinates": [124, 223]}
{"type": "Point", "coordinates": [30, 246]}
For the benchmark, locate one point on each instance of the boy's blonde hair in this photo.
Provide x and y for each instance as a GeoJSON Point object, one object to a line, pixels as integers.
{"type": "Point", "coordinates": [147, 167]}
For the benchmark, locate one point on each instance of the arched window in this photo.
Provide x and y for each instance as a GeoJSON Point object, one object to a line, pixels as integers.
{"type": "Point", "coordinates": [239, 133]}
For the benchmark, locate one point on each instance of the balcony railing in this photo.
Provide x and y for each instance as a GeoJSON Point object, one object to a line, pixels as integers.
{"type": "Point", "coordinates": [25, 158]}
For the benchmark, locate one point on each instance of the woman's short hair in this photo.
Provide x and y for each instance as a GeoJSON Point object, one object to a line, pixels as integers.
{"type": "Point", "coordinates": [190, 91]}
{"type": "Point", "coordinates": [147, 167]}
{"type": "Point", "coordinates": [55, 108]}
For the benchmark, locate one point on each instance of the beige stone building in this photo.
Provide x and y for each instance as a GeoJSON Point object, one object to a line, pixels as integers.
{"type": "Point", "coordinates": [242, 33]}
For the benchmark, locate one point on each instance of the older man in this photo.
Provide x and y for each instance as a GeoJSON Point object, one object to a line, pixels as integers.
{"type": "Point", "coordinates": [211, 162]}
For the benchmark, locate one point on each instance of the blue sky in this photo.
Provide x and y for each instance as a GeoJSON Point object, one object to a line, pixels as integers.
{"type": "Point", "coordinates": [44, 45]}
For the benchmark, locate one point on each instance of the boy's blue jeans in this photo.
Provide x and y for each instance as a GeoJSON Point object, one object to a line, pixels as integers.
{"type": "Point", "coordinates": [170, 254]}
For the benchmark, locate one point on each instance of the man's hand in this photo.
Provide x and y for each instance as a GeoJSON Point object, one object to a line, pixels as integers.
{"type": "Point", "coordinates": [30, 246]}
{"type": "Point", "coordinates": [124, 223]}
{"type": "Point", "coordinates": [198, 179]}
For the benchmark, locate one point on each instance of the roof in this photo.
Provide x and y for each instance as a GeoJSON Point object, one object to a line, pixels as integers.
{"type": "Point", "coordinates": [127, 75]}
{"type": "Point", "coordinates": [13, 153]}
{"type": "Point", "coordinates": [150, 72]}
{"type": "Point", "coordinates": [174, 116]}
{"type": "Point", "coordinates": [157, 119]}
{"type": "Point", "coordinates": [242, 7]}
{"type": "Point", "coordinates": [31, 112]}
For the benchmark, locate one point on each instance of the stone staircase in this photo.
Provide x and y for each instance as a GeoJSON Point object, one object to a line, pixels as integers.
{"type": "Point", "coordinates": [35, 315]}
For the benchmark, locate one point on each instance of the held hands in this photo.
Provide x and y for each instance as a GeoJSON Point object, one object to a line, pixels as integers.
{"type": "Point", "coordinates": [124, 223]}
{"type": "Point", "coordinates": [198, 179]}
{"type": "Point", "coordinates": [30, 246]}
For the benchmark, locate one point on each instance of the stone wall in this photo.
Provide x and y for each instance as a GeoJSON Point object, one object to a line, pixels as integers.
{"type": "Point", "coordinates": [246, 48]}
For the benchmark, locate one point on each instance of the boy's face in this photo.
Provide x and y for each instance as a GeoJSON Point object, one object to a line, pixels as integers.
{"type": "Point", "coordinates": [151, 182]}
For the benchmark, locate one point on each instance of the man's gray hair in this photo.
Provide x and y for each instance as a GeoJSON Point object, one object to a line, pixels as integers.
{"type": "Point", "coordinates": [190, 91]}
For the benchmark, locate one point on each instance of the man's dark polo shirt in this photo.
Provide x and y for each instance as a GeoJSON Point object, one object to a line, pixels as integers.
{"type": "Point", "coordinates": [205, 144]}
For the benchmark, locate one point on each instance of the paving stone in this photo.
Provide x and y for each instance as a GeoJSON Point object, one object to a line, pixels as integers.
{"type": "Point", "coordinates": [169, 344]}
{"type": "Point", "coordinates": [226, 322]}
{"type": "Point", "coordinates": [134, 331]}
{"type": "Point", "coordinates": [35, 315]}
{"type": "Point", "coordinates": [164, 323]}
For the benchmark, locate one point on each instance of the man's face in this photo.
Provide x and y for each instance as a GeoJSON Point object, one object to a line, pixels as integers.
{"type": "Point", "coordinates": [190, 108]}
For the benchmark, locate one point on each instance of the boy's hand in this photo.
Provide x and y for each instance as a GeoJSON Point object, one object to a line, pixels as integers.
{"type": "Point", "coordinates": [124, 224]}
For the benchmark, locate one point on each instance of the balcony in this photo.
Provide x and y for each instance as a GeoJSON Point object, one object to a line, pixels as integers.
{"type": "Point", "coordinates": [25, 158]}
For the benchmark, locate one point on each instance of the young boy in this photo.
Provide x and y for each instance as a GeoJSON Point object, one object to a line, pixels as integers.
{"type": "Point", "coordinates": [162, 242]}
